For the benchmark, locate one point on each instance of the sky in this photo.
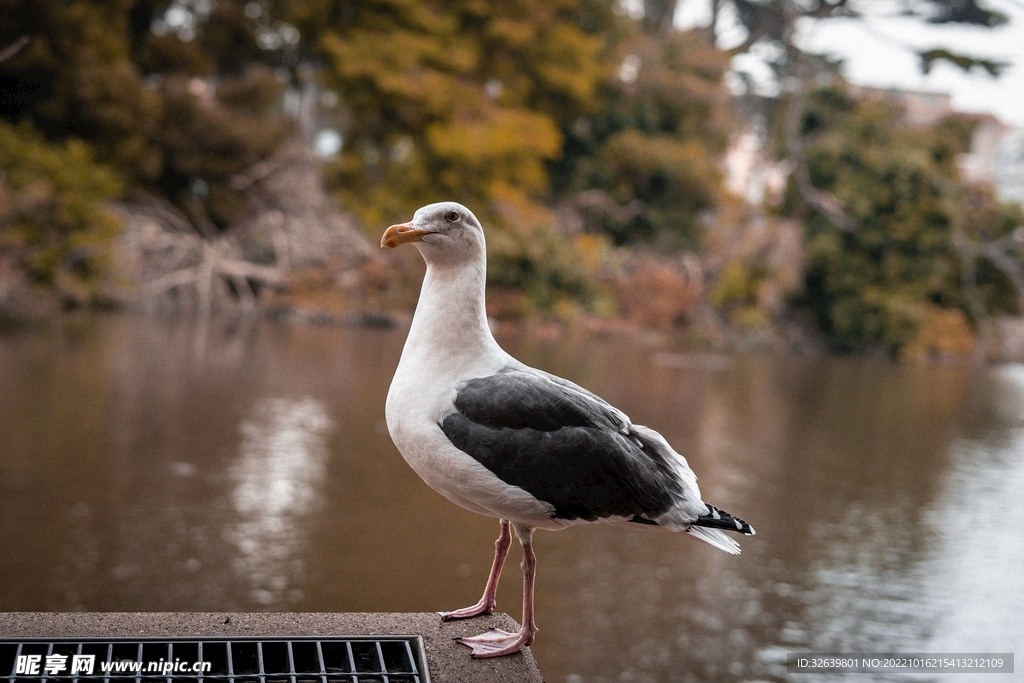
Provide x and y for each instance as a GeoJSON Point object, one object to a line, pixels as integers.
{"type": "Point", "coordinates": [879, 50]}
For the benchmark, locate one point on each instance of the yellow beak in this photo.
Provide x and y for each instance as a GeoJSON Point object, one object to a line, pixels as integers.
{"type": "Point", "coordinates": [401, 234]}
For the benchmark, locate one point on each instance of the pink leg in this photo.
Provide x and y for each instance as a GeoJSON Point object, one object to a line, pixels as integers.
{"type": "Point", "coordinates": [486, 603]}
{"type": "Point", "coordinates": [495, 642]}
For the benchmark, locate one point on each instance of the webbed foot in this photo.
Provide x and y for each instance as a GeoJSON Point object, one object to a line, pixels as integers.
{"type": "Point", "coordinates": [496, 643]}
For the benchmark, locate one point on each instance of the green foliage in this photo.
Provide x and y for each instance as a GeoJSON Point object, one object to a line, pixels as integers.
{"type": "Point", "coordinates": [875, 287]}
{"type": "Point", "coordinates": [178, 108]}
{"type": "Point", "coordinates": [967, 12]}
{"type": "Point", "coordinates": [652, 135]}
{"type": "Point", "coordinates": [548, 269]}
{"type": "Point", "coordinates": [494, 103]}
{"type": "Point", "coordinates": [479, 101]}
{"type": "Point", "coordinates": [209, 135]}
{"type": "Point", "coordinates": [736, 287]}
{"type": "Point", "coordinates": [75, 77]}
{"type": "Point", "coordinates": [736, 294]}
{"type": "Point", "coordinates": [675, 179]}
{"type": "Point", "coordinates": [53, 222]}
{"type": "Point", "coordinates": [963, 62]}
{"type": "Point", "coordinates": [984, 219]}
{"type": "Point", "coordinates": [458, 100]}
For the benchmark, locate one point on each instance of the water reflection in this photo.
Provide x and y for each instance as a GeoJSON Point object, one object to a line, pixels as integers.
{"type": "Point", "coordinates": [976, 566]}
{"type": "Point", "coordinates": [160, 465]}
{"type": "Point", "coordinates": [277, 482]}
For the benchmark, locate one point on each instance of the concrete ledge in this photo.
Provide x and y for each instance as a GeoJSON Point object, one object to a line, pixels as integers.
{"type": "Point", "coordinates": [448, 661]}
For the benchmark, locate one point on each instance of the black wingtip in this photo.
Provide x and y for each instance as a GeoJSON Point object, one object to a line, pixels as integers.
{"type": "Point", "coordinates": [720, 519]}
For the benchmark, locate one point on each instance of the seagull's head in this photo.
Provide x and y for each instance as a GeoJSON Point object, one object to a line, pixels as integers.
{"type": "Point", "coordinates": [445, 233]}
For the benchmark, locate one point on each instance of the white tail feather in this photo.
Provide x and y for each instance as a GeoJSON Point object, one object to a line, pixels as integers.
{"type": "Point", "coordinates": [717, 538]}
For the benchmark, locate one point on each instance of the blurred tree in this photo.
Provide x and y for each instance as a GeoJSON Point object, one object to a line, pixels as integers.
{"type": "Point", "coordinates": [770, 22]}
{"type": "Point", "coordinates": [543, 271]}
{"type": "Point", "coordinates": [467, 100]}
{"type": "Point", "coordinates": [887, 243]}
{"type": "Point", "coordinates": [771, 26]}
{"type": "Point", "coordinates": [651, 140]}
{"type": "Point", "coordinates": [438, 100]}
{"type": "Point", "coordinates": [75, 77]}
{"type": "Point", "coordinates": [54, 227]}
{"type": "Point", "coordinates": [458, 100]}
{"type": "Point", "coordinates": [989, 236]}
{"type": "Point", "coordinates": [876, 286]}
{"type": "Point", "coordinates": [176, 95]}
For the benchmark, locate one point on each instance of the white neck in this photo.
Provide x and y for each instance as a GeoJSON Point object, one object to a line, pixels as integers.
{"type": "Point", "coordinates": [449, 333]}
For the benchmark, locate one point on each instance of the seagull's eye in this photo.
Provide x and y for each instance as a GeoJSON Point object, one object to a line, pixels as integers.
{"type": "Point", "coordinates": [452, 216]}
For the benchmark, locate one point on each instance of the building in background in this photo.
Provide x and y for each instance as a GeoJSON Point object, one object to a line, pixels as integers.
{"type": "Point", "coordinates": [996, 156]}
{"type": "Point", "coordinates": [997, 149]}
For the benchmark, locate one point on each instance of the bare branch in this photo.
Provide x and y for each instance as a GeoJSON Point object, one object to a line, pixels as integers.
{"type": "Point", "coordinates": [234, 268]}
{"type": "Point", "coordinates": [996, 252]}
{"type": "Point", "coordinates": [1010, 267]}
{"type": "Point", "coordinates": [602, 201]}
{"type": "Point", "coordinates": [163, 212]}
{"type": "Point", "coordinates": [173, 249]}
{"type": "Point", "coordinates": [178, 278]}
{"type": "Point", "coordinates": [201, 219]}
{"type": "Point", "coordinates": [14, 48]}
{"type": "Point", "coordinates": [824, 202]}
{"type": "Point", "coordinates": [262, 170]}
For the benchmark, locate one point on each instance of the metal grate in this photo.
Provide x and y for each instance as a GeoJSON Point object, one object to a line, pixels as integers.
{"type": "Point", "coordinates": [349, 659]}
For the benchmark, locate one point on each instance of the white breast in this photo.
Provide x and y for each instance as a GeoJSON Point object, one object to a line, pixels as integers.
{"type": "Point", "coordinates": [417, 401]}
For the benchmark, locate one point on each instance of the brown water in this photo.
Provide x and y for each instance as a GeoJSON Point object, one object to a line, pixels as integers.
{"type": "Point", "coordinates": [148, 464]}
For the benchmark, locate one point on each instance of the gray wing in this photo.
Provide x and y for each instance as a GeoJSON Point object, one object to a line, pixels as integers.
{"type": "Point", "coordinates": [563, 445]}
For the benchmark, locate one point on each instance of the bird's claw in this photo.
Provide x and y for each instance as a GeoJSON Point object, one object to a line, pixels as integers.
{"type": "Point", "coordinates": [495, 643]}
{"type": "Point", "coordinates": [467, 612]}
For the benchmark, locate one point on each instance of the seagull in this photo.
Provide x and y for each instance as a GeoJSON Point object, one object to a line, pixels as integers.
{"type": "Point", "coordinates": [505, 440]}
